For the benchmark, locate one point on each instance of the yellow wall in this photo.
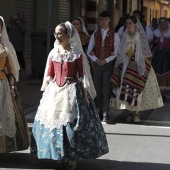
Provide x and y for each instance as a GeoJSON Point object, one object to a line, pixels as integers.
{"type": "Point", "coordinates": [152, 9]}
{"type": "Point", "coordinates": [157, 10]}
{"type": "Point", "coordinates": [165, 11]}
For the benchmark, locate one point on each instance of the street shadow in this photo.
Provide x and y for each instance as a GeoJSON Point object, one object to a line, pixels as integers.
{"type": "Point", "coordinates": [121, 118]}
{"type": "Point", "coordinates": [27, 161]}
{"type": "Point", "coordinates": [100, 164]}
{"type": "Point", "coordinates": [160, 118]}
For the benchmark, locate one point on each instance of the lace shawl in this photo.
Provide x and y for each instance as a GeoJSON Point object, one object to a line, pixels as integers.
{"type": "Point", "coordinates": [10, 52]}
{"type": "Point", "coordinates": [142, 48]}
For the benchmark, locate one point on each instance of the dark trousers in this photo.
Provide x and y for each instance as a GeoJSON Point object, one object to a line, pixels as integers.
{"type": "Point", "coordinates": [21, 60]}
{"type": "Point", "coordinates": [101, 77]}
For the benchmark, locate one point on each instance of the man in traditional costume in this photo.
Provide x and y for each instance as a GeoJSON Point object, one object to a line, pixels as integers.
{"type": "Point", "coordinates": [102, 50]}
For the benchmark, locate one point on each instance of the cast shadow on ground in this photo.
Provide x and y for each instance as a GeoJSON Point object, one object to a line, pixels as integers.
{"type": "Point", "coordinates": [27, 161]}
{"type": "Point", "coordinates": [159, 118]}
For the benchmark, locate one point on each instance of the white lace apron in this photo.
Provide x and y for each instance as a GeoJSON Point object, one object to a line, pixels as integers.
{"type": "Point", "coordinates": [57, 106]}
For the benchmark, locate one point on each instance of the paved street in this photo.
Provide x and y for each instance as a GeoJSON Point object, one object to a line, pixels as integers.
{"type": "Point", "coordinates": [143, 146]}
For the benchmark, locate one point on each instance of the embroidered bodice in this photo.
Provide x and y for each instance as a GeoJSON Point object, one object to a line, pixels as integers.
{"type": "Point", "coordinates": [162, 40]}
{"type": "Point", "coordinates": [65, 67]}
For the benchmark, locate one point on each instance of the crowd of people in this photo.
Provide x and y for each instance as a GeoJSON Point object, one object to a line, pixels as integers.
{"type": "Point", "coordinates": [126, 69]}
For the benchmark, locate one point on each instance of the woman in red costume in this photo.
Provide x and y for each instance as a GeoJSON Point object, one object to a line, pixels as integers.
{"type": "Point", "coordinates": [66, 125]}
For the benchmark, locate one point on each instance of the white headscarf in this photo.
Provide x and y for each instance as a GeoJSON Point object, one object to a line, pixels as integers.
{"type": "Point", "coordinates": [75, 43]}
{"type": "Point", "coordinates": [157, 32]}
{"type": "Point", "coordinates": [10, 52]}
{"type": "Point", "coordinates": [83, 26]}
{"type": "Point", "coordinates": [139, 44]}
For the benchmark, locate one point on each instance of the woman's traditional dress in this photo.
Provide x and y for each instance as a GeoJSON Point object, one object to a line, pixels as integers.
{"type": "Point", "coordinates": [84, 38]}
{"type": "Point", "coordinates": [14, 135]}
{"type": "Point", "coordinates": [161, 59]}
{"type": "Point", "coordinates": [64, 127]}
{"type": "Point", "coordinates": [135, 92]}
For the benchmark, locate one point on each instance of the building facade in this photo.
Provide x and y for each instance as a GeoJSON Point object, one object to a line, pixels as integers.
{"type": "Point", "coordinates": [155, 9]}
{"type": "Point", "coordinates": [42, 16]}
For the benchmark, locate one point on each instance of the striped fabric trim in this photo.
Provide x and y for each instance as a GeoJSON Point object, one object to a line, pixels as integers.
{"type": "Point", "coordinates": [116, 78]}
{"type": "Point", "coordinates": [133, 83]}
{"type": "Point", "coordinates": [133, 78]}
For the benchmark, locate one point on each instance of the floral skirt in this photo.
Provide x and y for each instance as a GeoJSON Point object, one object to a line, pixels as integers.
{"type": "Point", "coordinates": [82, 138]}
{"type": "Point", "coordinates": [21, 139]}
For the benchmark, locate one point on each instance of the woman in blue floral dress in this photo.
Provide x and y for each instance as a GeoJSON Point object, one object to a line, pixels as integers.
{"type": "Point", "coordinates": [66, 126]}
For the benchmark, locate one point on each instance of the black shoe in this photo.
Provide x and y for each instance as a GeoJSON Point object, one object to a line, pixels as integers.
{"type": "Point", "coordinates": [105, 119]}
